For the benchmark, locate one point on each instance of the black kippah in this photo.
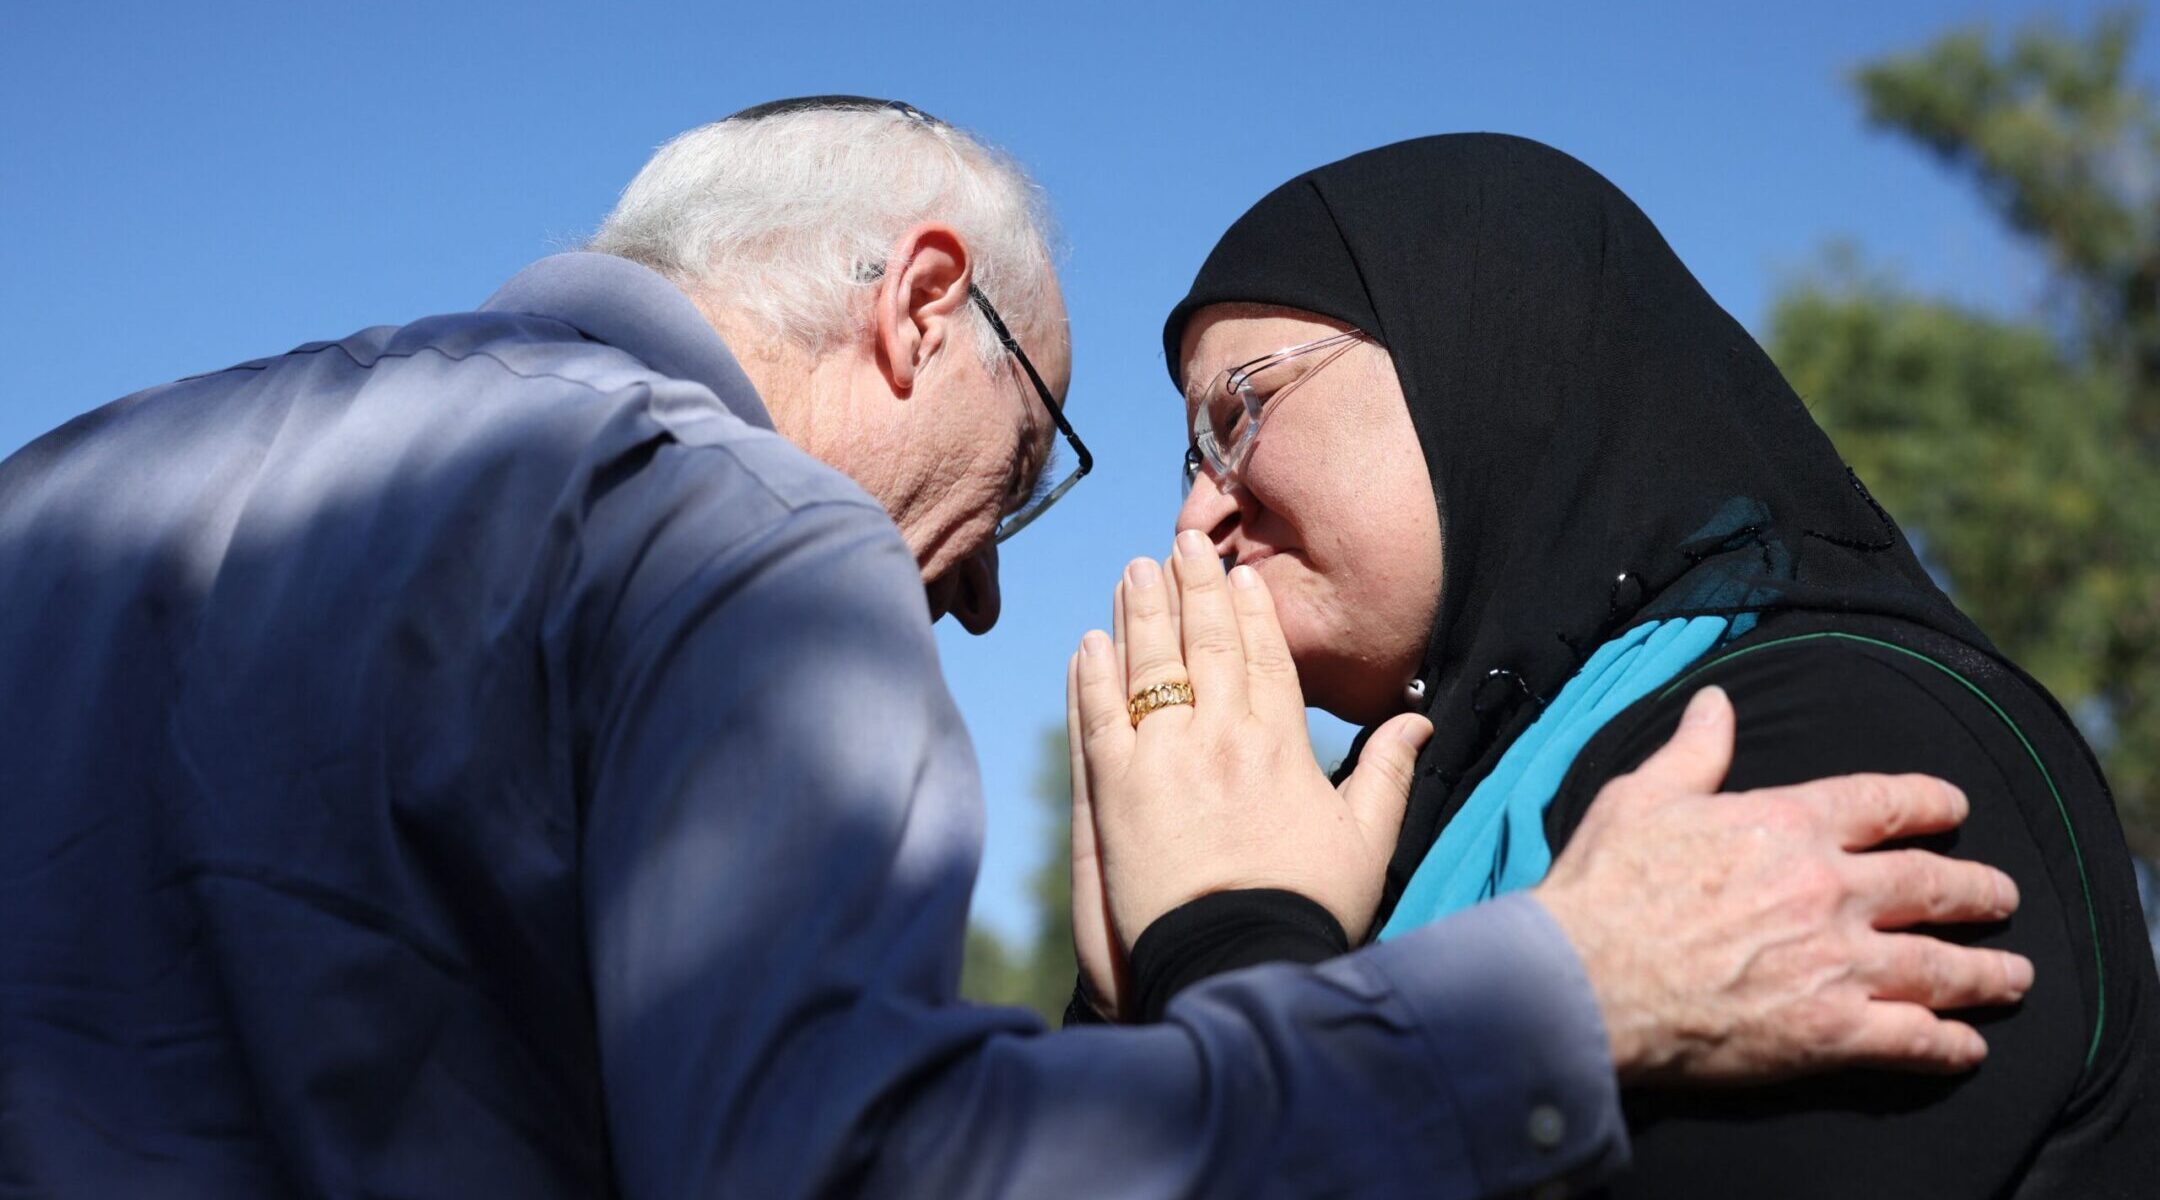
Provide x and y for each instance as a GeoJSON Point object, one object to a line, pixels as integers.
{"type": "Point", "coordinates": [834, 103]}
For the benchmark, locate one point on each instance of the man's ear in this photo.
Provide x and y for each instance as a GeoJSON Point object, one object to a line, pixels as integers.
{"type": "Point", "coordinates": [920, 299]}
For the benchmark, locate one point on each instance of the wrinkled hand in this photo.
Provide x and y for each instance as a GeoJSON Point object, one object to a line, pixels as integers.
{"type": "Point", "coordinates": [1741, 937]}
{"type": "Point", "coordinates": [1224, 793]}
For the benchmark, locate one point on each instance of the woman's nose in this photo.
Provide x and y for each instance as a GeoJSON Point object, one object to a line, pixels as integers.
{"type": "Point", "coordinates": [1209, 509]}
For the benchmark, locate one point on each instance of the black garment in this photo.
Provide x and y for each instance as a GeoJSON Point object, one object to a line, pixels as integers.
{"type": "Point", "coordinates": [1215, 933]}
{"type": "Point", "coordinates": [2066, 1104]}
{"type": "Point", "coordinates": [1607, 446]}
{"type": "Point", "coordinates": [1222, 932]}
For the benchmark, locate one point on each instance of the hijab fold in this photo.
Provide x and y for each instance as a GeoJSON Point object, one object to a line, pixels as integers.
{"type": "Point", "coordinates": [1607, 446]}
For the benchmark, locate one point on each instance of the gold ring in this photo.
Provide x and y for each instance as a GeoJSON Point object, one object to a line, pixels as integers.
{"type": "Point", "coordinates": [1162, 695]}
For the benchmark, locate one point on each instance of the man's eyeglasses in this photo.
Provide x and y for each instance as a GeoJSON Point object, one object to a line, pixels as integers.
{"type": "Point", "coordinates": [1083, 462]}
{"type": "Point", "coordinates": [1227, 414]}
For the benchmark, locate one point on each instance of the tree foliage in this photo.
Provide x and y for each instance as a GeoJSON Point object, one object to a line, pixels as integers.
{"type": "Point", "coordinates": [2022, 451]}
{"type": "Point", "coordinates": [1038, 974]}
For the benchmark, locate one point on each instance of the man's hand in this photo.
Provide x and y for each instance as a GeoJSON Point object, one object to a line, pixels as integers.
{"type": "Point", "coordinates": [1742, 937]}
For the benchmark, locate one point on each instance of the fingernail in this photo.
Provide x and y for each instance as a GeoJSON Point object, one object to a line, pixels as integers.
{"type": "Point", "coordinates": [1958, 802]}
{"type": "Point", "coordinates": [1244, 577]}
{"type": "Point", "coordinates": [1700, 710]}
{"type": "Point", "coordinates": [1194, 545]}
{"type": "Point", "coordinates": [2006, 894]}
{"type": "Point", "coordinates": [1414, 733]}
{"type": "Point", "coordinates": [1143, 573]}
{"type": "Point", "coordinates": [2019, 971]}
{"type": "Point", "coordinates": [1095, 643]}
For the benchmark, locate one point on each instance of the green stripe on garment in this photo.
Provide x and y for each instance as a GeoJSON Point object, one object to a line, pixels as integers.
{"type": "Point", "coordinates": [2092, 916]}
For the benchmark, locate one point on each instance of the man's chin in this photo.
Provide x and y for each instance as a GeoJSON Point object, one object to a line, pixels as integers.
{"type": "Point", "coordinates": [939, 596]}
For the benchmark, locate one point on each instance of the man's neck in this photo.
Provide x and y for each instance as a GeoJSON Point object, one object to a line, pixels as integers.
{"type": "Point", "coordinates": [788, 379]}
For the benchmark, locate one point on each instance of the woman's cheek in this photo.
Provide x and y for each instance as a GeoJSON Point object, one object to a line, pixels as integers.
{"type": "Point", "coordinates": [1297, 607]}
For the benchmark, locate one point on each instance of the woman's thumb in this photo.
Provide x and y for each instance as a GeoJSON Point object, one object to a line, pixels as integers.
{"type": "Point", "coordinates": [1379, 789]}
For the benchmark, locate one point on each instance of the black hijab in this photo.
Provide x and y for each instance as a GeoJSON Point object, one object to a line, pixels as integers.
{"type": "Point", "coordinates": [1606, 444]}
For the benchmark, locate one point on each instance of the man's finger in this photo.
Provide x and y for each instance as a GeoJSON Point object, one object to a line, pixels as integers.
{"type": "Point", "coordinates": [1942, 975]}
{"type": "Point", "coordinates": [1378, 791]}
{"type": "Point", "coordinates": [1271, 682]}
{"type": "Point", "coordinates": [1701, 749]}
{"type": "Point", "coordinates": [1914, 887]}
{"type": "Point", "coordinates": [1214, 653]}
{"type": "Point", "coordinates": [1105, 729]}
{"type": "Point", "coordinates": [1868, 810]}
{"type": "Point", "coordinates": [1907, 1037]}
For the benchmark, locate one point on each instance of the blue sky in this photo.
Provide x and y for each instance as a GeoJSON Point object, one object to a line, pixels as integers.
{"type": "Point", "coordinates": [184, 186]}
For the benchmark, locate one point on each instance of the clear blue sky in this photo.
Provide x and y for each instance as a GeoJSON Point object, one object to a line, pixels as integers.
{"type": "Point", "coordinates": [184, 186]}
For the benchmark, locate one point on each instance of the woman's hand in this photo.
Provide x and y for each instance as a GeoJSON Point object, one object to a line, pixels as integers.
{"type": "Point", "coordinates": [1102, 960]}
{"type": "Point", "coordinates": [1223, 793]}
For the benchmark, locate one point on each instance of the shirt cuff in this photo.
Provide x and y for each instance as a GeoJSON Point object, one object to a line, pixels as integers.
{"type": "Point", "coordinates": [1507, 1011]}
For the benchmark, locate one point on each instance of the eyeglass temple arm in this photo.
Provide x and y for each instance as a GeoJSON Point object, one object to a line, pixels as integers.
{"type": "Point", "coordinates": [1057, 413]}
{"type": "Point", "coordinates": [1238, 375]}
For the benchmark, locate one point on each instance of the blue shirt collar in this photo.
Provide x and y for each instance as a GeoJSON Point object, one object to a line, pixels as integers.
{"type": "Point", "coordinates": [618, 303]}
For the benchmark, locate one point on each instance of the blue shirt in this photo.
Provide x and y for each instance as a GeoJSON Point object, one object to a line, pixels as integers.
{"type": "Point", "coordinates": [481, 758]}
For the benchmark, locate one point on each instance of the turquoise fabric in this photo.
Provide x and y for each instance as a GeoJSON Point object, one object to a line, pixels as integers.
{"type": "Point", "coordinates": [1496, 844]}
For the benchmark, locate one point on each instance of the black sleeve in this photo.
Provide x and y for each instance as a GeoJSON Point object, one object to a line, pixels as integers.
{"type": "Point", "coordinates": [1222, 932]}
{"type": "Point", "coordinates": [1219, 932]}
{"type": "Point", "coordinates": [1821, 709]}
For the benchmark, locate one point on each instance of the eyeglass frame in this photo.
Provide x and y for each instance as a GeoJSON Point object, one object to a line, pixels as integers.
{"type": "Point", "coordinates": [1083, 462]}
{"type": "Point", "coordinates": [1237, 381]}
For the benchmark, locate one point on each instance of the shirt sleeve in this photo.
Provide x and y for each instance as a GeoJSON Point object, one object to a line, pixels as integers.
{"type": "Point", "coordinates": [781, 820]}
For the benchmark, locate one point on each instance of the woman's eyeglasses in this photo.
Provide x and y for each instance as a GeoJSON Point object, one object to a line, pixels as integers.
{"type": "Point", "coordinates": [1227, 415]}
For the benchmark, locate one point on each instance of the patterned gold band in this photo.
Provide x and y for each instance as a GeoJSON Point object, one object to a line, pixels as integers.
{"type": "Point", "coordinates": [1162, 695]}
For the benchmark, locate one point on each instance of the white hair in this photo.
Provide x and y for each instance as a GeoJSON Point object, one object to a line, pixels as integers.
{"type": "Point", "coordinates": [787, 219]}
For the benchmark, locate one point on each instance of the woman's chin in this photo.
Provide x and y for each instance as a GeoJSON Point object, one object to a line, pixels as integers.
{"type": "Point", "coordinates": [1346, 691]}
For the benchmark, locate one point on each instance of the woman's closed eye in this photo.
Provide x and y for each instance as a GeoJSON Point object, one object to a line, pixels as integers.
{"type": "Point", "coordinates": [1227, 416]}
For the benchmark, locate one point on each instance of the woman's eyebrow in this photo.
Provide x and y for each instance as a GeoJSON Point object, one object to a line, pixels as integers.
{"type": "Point", "coordinates": [1195, 391]}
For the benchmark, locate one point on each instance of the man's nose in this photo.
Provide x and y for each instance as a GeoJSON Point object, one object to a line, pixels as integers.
{"type": "Point", "coordinates": [976, 601]}
{"type": "Point", "coordinates": [1209, 509]}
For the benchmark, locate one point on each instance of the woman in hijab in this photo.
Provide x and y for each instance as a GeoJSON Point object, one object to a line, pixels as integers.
{"type": "Point", "coordinates": [1629, 504]}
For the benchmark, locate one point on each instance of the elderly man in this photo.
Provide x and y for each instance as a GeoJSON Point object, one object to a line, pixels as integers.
{"type": "Point", "coordinates": [505, 755]}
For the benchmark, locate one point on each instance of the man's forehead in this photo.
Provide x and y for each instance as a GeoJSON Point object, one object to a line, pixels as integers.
{"type": "Point", "coordinates": [1055, 362]}
{"type": "Point", "coordinates": [1057, 373]}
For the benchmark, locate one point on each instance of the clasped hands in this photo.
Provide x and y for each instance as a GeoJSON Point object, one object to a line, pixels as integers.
{"type": "Point", "coordinates": [1727, 936]}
